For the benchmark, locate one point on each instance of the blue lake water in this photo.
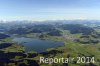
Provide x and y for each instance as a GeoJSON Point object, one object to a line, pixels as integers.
{"type": "Point", "coordinates": [37, 45]}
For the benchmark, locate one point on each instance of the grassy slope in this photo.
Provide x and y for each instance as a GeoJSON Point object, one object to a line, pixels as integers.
{"type": "Point", "coordinates": [75, 49]}
{"type": "Point", "coordinates": [13, 48]}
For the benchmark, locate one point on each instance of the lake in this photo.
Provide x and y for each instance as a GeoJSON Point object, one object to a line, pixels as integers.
{"type": "Point", "coordinates": [37, 45]}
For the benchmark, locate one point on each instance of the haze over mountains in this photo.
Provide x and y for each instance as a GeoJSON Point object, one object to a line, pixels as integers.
{"type": "Point", "coordinates": [55, 21]}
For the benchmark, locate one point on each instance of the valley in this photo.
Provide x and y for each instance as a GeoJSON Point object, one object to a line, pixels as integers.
{"type": "Point", "coordinates": [24, 44]}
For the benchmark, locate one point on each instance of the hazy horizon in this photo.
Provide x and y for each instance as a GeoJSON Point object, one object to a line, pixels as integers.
{"type": "Point", "coordinates": [41, 10]}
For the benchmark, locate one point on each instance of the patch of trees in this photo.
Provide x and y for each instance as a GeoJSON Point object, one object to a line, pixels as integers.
{"type": "Point", "coordinates": [55, 33]}
{"type": "Point", "coordinates": [77, 28]}
{"type": "Point", "coordinates": [18, 30]}
{"type": "Point", "coordinates": [3, 36]}
{"type": "Point", "coordinates": [31, 29]}
{"type": "Point", "coordinates": [98, 35]}
{"type": "Point", "coordinates": [52, 52]}
{"type": "Point", "coordinates": [88, 39]}
{"type": "Point", "coordinates": [16, 59]}
{"type": "Point", "coordinates": [49, 29]}
{"type": "Point", "coordinates": [42, 28]}
{"type": "Point", "coordinates": [5, 45]}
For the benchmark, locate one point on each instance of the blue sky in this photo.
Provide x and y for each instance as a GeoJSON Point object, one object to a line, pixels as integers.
{"type": "Point", "coordinates": [49, 9]}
